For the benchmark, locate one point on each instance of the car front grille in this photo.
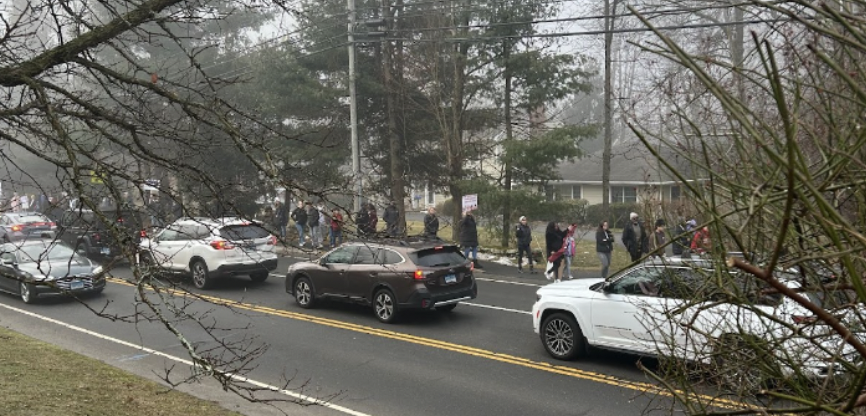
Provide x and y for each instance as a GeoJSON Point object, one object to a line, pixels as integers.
{"type": "Point", "coordinates": [65, 283]}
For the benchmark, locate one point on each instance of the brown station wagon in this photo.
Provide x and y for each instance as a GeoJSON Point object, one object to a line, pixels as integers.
{"type": "Point", "coordinates": [390, 277]}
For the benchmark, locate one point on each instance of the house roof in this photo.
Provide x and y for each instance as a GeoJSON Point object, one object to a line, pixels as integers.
{"type": "Point", "coordinates": [631, 163]}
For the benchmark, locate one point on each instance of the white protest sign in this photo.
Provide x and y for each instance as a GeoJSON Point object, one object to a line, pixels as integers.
{"type": "Point", "coordinates": [470, 202]}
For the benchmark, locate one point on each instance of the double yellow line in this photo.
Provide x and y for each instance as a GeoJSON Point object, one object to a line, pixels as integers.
{"type": "Point", "coordinates": [640, 387]}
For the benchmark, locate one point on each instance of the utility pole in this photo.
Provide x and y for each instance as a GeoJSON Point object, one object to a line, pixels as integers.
{"type": "Point", "coordinates": [608, 105]}
{"type": "Point", "coordinates": [353, 110]}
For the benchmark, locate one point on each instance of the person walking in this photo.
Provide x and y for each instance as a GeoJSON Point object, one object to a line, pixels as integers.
{"type": "Point", "coordinates": [635, 237]}
{"type": "Point", "coordinates": [524, 241]}
{"type": "Point", "coordinates": [681, 238]}
{"type": "Point", "coordinates": [362, 221]}
{"type": "Point", "coordinates": [374, 218]}
{"type": "Point", "coordinates": [313, 225]}
{"type": "Point", "coordinates": [701, 243]}
{"type": "Point", "coordinates": [569, 250]}
{"type": "Point", "coordinates": [324, 221]}
{"type": "Point", "coordinates": [281, 218]}
{"type": "Point", "coordinates": [431, 223]}
{"type": "Point", "coordinates": [336, 228]}
{"type": "Point", "coordinates": [391, 216]}
{"type": "Point", "coordinates": [15, 202]}
{"type": "Point", "coordinates": [553, 239]}
{"type": "Point", "coordinates": [299, 216]}
{"type": "Point", "coordinates": [24, 203]}
{"type": "Point", "coordinates": [604, 247]}
{"type": "Point", "coordinates": [659, 239]}
{"type": "Point", "coordinates": [469, 237]}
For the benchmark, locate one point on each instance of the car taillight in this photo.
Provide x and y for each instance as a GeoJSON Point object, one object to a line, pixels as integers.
{"type": "Point", "coordinates": [142, 233]}
{"type": "Point", "coordinates": [419, 275]}
{"type": "Point", "coordinates": [120, 220]}
{"type": "Point", "coordinates": [800, 319]}
{"type": "Point", "coordinates": [95, 236]}
{"type": "Point", "coordinates": [16, 228]}
{"type": "Point", "coordinates": [52, 225]}
{"type": "Point", "coordinates": [272, 241]}
{"type": "Point", "coordinates": [221, 245]}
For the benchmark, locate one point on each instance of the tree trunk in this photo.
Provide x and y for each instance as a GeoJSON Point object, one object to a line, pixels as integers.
{"type": "Point", "coordinates": [509, 136]}
{"type": "Point", "coordinates": [608, 105]}
{"type": "Point", "coordinates": [398, 186]}
{"type": "Point", "coordinates": [455, 135]}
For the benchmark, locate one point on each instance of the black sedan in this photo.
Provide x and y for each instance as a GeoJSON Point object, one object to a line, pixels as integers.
{"type": "Point", "coordinates": [34, 267]}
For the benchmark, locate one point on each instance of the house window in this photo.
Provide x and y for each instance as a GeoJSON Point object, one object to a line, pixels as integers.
{"type": "Point", "coordinates": [675, 192]}
{"type": "Point", "coordinates": [551, 192]}
{"type": "Point", "coordinates": [575, 192]}
{"type": "Point", "coordinates": [623, 194]}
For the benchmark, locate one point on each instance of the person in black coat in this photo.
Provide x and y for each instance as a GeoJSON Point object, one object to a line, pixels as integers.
{"type": "Point", "coordinates": [553, 239]}
{"type": "Point", "coordinates": [299, 215]}
{"type": "Point", "coordinates": [524, 240]}
{"type": "Point", "coordinates": [469, 237]}
{"type": "Point", "coordinates": [635, 238]}
{"type": "Point", "coordinates": [362, 221]}
{"type": "Point", "coordinates": [604, 247]}
{"type": "Point", "coordinates": [431, 223]}
{"type": "Point", "coordinates": [391, 216]}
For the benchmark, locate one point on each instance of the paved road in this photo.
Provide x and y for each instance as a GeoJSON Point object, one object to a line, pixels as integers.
{"type": "Point", "coordinates": [481, 359]}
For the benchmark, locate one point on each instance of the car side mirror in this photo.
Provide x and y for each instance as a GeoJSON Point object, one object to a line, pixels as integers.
{"type": "Point", "coordinates": [607, 288]}
{"type": "Point", "coordinates": [324, 263]}
{"type": "Point", "coordinates": [10, 263]}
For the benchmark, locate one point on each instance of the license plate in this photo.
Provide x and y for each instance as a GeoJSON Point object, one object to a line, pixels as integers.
{"type": "Point", "coordinates": [106, 250]}
{"type": "Point", "coordinates": [450, 278]}
{"type": "Point", "coordinates": [76, 284]}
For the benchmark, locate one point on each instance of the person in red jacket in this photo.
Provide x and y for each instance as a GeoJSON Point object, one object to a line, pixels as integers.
{"type": "Point", "coordinates": [701, 242]}
{"type": "Point", "coordinates": [336, 228]}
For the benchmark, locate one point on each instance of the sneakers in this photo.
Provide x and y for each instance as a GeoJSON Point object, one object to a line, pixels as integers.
{"type": "Point", "coordinates": [570, 277]}
{"type": "Point", "coordinates": [519, 270]}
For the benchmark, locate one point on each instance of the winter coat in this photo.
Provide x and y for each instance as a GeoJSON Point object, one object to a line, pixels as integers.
{"type": "Point", "coordinates": [431, 225]}
{"type": "Point", "coordinates": [681, 240]}
{"type": "Point", "coordinates": [337, 222]}
{"type": "Point", "coordinates": [603, 241]}
{"type": "Point", "coordinates": [299, 215]}
{"type": "Point", "coordinates": [629, 239]}
{"type": "Point", "coordinates": [553, 240]}
{"type": "Point", "coordinates": [313, 218]}
{"type": "Point", "coordinates": [391, 215]}
{"type": "Point", "coordinates": [524, 235]}
{"type": "Point", "coordinates": [468, 232]}
{"type": "Point", "coordinates": [374, 220]}
{"type": "Point", "coordinates": [658, 243]}
{"type": "Point", "coordinates": [363, 221]}
{"type": "Point", "coordinates": [281, 216]}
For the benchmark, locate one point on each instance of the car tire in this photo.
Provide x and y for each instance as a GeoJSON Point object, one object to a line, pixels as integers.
{"type": "Point", "coordinates": [562, 337]}
{"type": "Point", "coordinates": [446, 308]}
{"type": "Point", "coordinates": [385, 306]}
{"type": "Point", "coordinates": [82, 249]}
{"type": "Point", "coordinates": [200, 276]}
{"type": "Point", "coordinates": [305, 297]}
{"type": "Point", "coordinates": [259, 277]}
{"type": "Point", "coordinates": [741, 364]}
{"type": "Point", "coordinates": [27, 292]}
{"type": "Point", "coordinates": [97, 292]}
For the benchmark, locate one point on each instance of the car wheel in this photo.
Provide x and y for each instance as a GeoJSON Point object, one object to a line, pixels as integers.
{"type": "Point", "coordinates": [385, 306]}
{"type": "Point", "coordinates": [27, 292]}
{"type": "Point", "coordinates": [82, 249]}
{"type": "Point", "coordinates": [741, 364]}
{"type": "Point", "coordinates": [97, 292]}
{"type": "Point", "coordinates": [304, 295]}
{"type": "Point", "coordinates": [562, 337]}
{"type": "Point", "coordinates": [200, 277]}
{"type": "Point", "coordinates": [259, 277]}
{"type": "Point", "coordinates": [446, 308]}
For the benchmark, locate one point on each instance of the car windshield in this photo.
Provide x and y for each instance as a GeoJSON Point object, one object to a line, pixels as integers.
{"type": "Point", "coordinates": [243, 232]}
{"type": "Point", "coordinates": [442, 256]}
{"type": "Point", "coordinates": [33, 252]}
{"type": "Point", "coordinates": [27, 219]}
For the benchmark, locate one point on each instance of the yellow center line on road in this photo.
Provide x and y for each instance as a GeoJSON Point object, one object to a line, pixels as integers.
{"type": "Point", "coordinates": [640, 387]}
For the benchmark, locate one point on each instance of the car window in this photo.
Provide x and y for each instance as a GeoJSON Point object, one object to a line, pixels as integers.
{"type": "Point", "coordinates": [643, 281]}
{"type": "Point", "coordinates": [8, 257]}
{"type": "Point", "coordinates": [365, 255]}
{"type": "Point", "coordinates": [440, 256]}
{"type": "Point", "coordinates": [32, 252]}
{"type": "Point", "coordinates": [4, 220]}
{"type": "Point", "coordinates": [680, 283]}
{"type": "Point", "coordinates": [342, 255]}
{"type": "Point", "coordinates": [33, 218]}
{"type": "Point", "coordinates": [391, 257]}
{"type": "Point", "coordinates": [170, 234]}
{"type": "Point", "coordinates": [243, 232]}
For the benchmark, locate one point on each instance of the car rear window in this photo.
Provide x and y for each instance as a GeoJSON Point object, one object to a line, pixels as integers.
{"type": "Point", "coordinates": [243, 232]}
{"type": "Point", "coordinates": [442, 256]}
{"type": "Point", "coordinates": [32, 218]}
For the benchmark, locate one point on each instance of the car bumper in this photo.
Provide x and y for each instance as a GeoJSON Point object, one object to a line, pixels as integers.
{"type": "Point", "coordinates": [423, 299]}
{"type": "Point", "coordinates": [69, 289]}
{"type": "Point", "coordinates": [23, 235]}
{"type": "Point", "coordinates": [247, 267]}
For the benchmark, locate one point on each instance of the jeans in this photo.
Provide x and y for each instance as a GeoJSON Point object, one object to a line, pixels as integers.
{"type": "Point", "coordinates": [315, 238]}
{"type": "Point", "coordinates": [521, 249]}
{"type": "Point", "coordinates": [282, 229]}
{"type": "Point", "coordinates": [568, 260]}
{"type": "Point", "coordinates": [336, 235]}
{"type": "Point", "coordinates": [300, 228]}
{"type": "Point", "coordinates": [605, 263]}
{"type": "Point", "coordinates": [473, 250]}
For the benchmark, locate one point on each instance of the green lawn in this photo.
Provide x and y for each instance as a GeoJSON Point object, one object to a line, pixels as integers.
{"type": "Point", "coordinates": [39, 379]}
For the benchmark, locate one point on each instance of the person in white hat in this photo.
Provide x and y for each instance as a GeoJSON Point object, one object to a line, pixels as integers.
{"type": "Point", "coordinates": [524, 240]}
{"type": "Point", "coordinates": [635, 237]}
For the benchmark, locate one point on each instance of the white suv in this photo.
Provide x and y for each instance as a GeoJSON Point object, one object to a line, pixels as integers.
{"type": "Point", "coordinates": [208, 248]}
{"type": "Point", "coordinates": [675, 308]}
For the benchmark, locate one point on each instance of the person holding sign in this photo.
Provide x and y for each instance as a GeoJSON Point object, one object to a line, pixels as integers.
{"type": "Point", "coordinates": [469, 237]}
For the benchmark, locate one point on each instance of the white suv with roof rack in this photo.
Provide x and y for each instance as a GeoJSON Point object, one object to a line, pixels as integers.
{"type": "Point", "coordinates": [208, 248]}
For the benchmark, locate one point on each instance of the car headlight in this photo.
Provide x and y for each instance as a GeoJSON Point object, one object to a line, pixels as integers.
{"type": "Point", "coordinates": [537, 297]}
{"type": "Point", "coordinates": [97, 270]}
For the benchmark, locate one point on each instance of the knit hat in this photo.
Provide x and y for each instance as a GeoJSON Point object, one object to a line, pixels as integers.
{"type": "Point", "coordinates": [522, 218]}
{"type": "Point", "coordinates": [660, 222]}
{"type": "Point", "coordinates": [633, 215]}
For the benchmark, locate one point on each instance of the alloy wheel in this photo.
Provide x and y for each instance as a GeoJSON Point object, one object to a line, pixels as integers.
{"type": "Point", "coordinates": [27, 295]}
{"type": "Point", "coordinates": [559, 337]}
{"type": "Point", "coordinates": [303, 293]}
{"type": "Point", "coordinates": [384, 306]}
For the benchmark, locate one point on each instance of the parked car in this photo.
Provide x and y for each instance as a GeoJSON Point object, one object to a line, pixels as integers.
{"type": "Point", "coordinates": [101, 233]}
{"type": "Point", "coordinates": [674, 308]}
{"type": "Point", "coordinates": [390, 277]}
{"type": "Point", "coordinates": [32, 268]}
{"type": "Point", "coordinates": [16, 226]}
{"type": "Point", "coordinates": [209, 248]}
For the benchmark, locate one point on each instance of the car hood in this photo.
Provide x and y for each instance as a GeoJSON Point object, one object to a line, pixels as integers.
{"type": "Point", "coordinates": [303, 265]}
{"type": "Point", "coordinates": [572, 288]}
{"type": "Point", "coordinates": [56, 269]}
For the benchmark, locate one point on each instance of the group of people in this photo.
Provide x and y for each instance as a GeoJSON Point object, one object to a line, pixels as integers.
{"type": "Point", "coordinates": [559, 245]}
{"type": "Point", "coordinates": [24, 203]}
